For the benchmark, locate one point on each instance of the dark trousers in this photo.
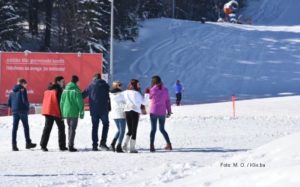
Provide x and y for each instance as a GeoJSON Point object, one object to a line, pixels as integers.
{"type": "Point", "coordinates": [72, 125]}
{"type": "Point", "coordinates": [49, 121]}
{"type": "Point", "coordinates": [161, 120]}
{"type": "Point", "coordinates": [95, 122]}
{"type": "Point", "coordinates": [178, 98]}
{"type": "Point", "coordinates": [24, 118]}
{"type": "Point", "coordinates": [132, 119]}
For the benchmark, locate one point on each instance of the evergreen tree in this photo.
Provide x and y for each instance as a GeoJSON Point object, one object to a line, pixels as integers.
{"type": "Point", "coordinates": [94, 26]}
{"type": "Point", "coordinates": [10, 27]}
{"type": "Point", "coordinates": [67, 30]}
{"type": "Point", "coordinates": [28, 10]}
{"type": "Point", "coordinates": [33, 8]}
{"type": "Point", "coordinates": [152, 9]}
{"type": "Point", "coordinates": [48, 23]}
{"type": "Point", "coordinates": [94, 18]}
{"type": "Point", "coordinates": [126, 20]}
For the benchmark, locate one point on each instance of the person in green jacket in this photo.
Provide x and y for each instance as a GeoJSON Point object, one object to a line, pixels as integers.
{"type": "Point", "coordinates": [72, 108]}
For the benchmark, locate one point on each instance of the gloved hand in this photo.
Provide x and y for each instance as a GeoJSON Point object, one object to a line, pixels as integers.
{"type": "Point", "coordinates": [169, 114]}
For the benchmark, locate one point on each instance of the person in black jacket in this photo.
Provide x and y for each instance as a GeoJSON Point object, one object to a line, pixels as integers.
{"type": "Point", "coordinates": [19, 106]}
{"type": "Point", "coordinates": [99, 101]}
{"type": "Point", "coordinates": [51, 115]}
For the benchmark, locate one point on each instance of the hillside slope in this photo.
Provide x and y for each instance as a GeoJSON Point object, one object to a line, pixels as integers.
{"type": "Point", "coordinates": [216, 60]}
{"type": "Point", "coordinates": [274, 12]}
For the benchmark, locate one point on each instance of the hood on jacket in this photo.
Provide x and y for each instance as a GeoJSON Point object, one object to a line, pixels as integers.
{"type": "Point", "coordinates": [17, 88]}
{"type": "Point", "coordinates": [72, 86]}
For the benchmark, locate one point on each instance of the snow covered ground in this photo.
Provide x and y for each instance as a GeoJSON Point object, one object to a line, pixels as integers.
{"type": "Point", "coordinates": [202, 136]}
{"type": "Point", "coordinates": [275, 164]}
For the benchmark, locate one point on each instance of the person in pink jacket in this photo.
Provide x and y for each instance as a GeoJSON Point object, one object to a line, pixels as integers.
{"type": "Point", "coordinates": [160, 108]}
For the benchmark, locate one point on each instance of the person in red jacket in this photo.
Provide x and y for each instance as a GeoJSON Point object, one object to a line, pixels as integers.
{"type": "Point", "coordinates": [51, 111]}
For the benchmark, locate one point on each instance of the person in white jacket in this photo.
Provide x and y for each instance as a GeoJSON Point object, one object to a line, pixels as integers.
{"type": "Point", "coordinates": [118, 114]}
{"type": "Point", "coordinates": [133, 103]}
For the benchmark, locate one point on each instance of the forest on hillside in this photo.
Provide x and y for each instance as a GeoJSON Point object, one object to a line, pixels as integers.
{"type": "Point", "coordinates": [84, 25]}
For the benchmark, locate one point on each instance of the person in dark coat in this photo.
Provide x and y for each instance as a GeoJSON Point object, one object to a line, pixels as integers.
{"type": "Point", "coordinates": [99, 101]}
{"type": "Point", "coordinates": [51, 111]}
{"type": "Point", "coordinates": [19, 106]}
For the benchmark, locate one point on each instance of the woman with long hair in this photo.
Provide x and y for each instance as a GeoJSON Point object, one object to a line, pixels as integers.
{"type": "Point", "coordinates": [160, 108]}
{"type": "Point", "coordinates": [133, 103]}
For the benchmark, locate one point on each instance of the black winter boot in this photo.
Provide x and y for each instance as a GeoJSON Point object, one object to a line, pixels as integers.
{"type": "Point", "coordinates": [152, 148]}
{"type": "Point", "coordinates": [103, 146]}
{"type": "Point", "coordinates": [119, 149]}
{"type": "Point", "coordinates": [72, 149]}
{"type": "Point", "coordinates": [15, 148]}
{"type": "Point", "coordinates": [30, 145]}
{"type": "Point", "coordinates": [95, 148]}
{"type": "Point", "coordinates": [63, 148]}
{"type": "Point", "coordinates": [113, 144]}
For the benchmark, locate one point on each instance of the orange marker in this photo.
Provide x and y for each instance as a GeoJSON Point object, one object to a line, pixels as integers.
{"type": "Point", "coordinates": [233, 98]}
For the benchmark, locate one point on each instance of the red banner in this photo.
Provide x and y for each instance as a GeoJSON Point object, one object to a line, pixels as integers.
{"type": "Point", "coordinates": [39, 69]}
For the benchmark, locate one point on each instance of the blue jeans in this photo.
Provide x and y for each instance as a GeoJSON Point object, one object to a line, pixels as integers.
{"type": "Point", "coordinates": [121, 125]}
{"type": "Point", "coordinates": [95, 122]}
{"type": "Point", "coordinates": [24, 118]}
{"type": "Point", "coordinates": [162, 120]}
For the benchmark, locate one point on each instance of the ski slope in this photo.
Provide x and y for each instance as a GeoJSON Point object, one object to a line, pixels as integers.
{"type": "Point", "coordinates": [216, 60]}
{"type": "Point", "coordinates": [273, 12]}
{"type": "Point", "coordinates": [201, 140]}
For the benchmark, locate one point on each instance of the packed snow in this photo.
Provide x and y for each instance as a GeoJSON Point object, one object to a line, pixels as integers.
{"type": "Point", "coordinates": [275, 164]}
{"type": "Point", "coordinates": [202, 139]}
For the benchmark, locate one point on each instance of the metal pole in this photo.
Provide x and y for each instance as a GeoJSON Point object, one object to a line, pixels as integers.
{"type": "Point", "coordinates": [111, 78]}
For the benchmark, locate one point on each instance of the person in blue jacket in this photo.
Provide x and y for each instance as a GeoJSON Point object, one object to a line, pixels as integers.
{"type": "Point", "coordinates": [19, 106]}
{"type": "Point", "coordinates": [178, 91]}
{"type": "Point", "coordinates": [99, 101]}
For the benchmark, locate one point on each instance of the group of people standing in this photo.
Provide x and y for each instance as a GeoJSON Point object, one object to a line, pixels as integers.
{"type": "Point", "coordinates": [66, 103]}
